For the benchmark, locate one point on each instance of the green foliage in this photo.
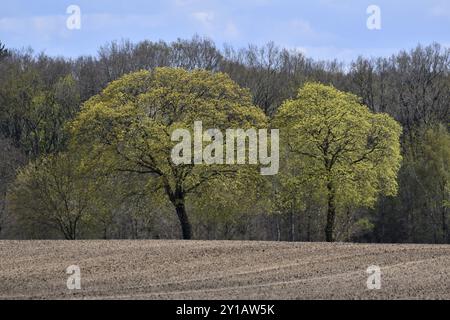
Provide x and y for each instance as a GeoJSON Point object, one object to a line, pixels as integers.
{"type": "Point", "coordinates": [33, 113]}
{"type": "Point", "coordinates": [435, 158]}
{"type": "Point", "coordinates": [56, 191]}
{"type": "Point", "coordinates": [132, 120]}
{"type": "Point", "coordinates": [335, 143]}
{"type": "Point", "coordinates": [429, 171]}
{"type": "Point", "coordinates": [129, 125]}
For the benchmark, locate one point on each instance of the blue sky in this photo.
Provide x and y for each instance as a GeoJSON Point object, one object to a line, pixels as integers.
{"type": "Point", "coordinates": [323, 29]}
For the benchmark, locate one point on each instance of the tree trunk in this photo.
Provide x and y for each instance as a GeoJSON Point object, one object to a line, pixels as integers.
{"type": "Point", "coordinates": [186, 228]}
{"type": "Point", "coordinates": [177, 197]}
{"type": "Point", "coordinates": [331, 213]}
{"type": "Point", "coordinates": [278, 229]}
{"type": "Point", "coordinates": [308, 224]}
{"type": "Point", "coordinates": [445, 237]}
{"type": "Point", "coordinates": [292, 224]}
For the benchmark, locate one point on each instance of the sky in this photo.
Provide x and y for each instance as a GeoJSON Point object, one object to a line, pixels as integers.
{"type": "Point", "coordinates": [322, 29]}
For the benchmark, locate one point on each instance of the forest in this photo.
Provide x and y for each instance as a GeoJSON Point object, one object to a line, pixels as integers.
{"type": "Point", "coordinates": [364, 146]}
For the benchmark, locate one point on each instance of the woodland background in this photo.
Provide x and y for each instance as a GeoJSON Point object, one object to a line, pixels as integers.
{"type": "Point", "coordinates": [39, 94]}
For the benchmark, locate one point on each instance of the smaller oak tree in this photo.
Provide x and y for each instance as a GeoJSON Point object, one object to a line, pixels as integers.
{"type": "Point", "coordinates": [348, 153]}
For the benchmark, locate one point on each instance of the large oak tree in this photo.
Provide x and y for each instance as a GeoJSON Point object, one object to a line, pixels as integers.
{"type": "Point", "coordinates": [130, 124]}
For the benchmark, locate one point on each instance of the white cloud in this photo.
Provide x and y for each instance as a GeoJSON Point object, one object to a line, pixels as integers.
{"type": "Point", "coordinates": [98, 21]}
{"type": "Point", "coordinates": [206, 18]}
{"type": "Point", "coordinates": [47, 27]}
{"type": "Point", "coordinates": [216, 26]}
{"type": "Point", "coordinates": [44, 27]}
{"type": "Point", "coordinates": [303, 27]}
{"type": "Point", "coordinates": [231, 30]}
{"type": "Point", "coordinates": [442, 9]}
{"type": "Point", "coordinates": [298, 30]}
{"type": "Point", "coordinates": [182, 3]}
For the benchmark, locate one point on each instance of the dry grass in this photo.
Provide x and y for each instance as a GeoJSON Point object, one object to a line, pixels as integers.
{"type": "Point", "coordinates": [221, 270]}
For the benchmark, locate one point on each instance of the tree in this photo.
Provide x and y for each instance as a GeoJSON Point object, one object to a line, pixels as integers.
{"type": "Point", "coordinates": [432, 175]}
{"type": "Point", "coordinates": [10, 159]}
{"type": "Point", "coordinates": [33, 109]}
{"type": "Point", "coordinates": [351, 154]}
{"type": "Point", "coordinates": [267, 71]}
{"type": "Point", "coordinates": [3, 51]}
{"type": "Point", "coordinates": [56, 191]}
{"type": "Point", "coordinates": [129, 125]}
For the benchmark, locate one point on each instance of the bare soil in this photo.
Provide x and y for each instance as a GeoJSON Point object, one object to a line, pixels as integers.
{"type": "Point", "coordinates": [221, 270]}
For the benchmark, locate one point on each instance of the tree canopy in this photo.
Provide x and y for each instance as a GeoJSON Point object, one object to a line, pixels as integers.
{"type": "Point", "coordinates": [130, 125]}
{"type": "Point", "coordinates": [56, 191]}
{"type": "Point", "coordinates": [349, 153]}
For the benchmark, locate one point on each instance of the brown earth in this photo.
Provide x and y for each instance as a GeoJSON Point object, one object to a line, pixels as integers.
{"type": "Point", "coordinates": [221, 270]}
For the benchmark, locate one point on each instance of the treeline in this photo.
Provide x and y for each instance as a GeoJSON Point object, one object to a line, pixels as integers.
{"type": "Point", "coordinates": [41, 95]}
